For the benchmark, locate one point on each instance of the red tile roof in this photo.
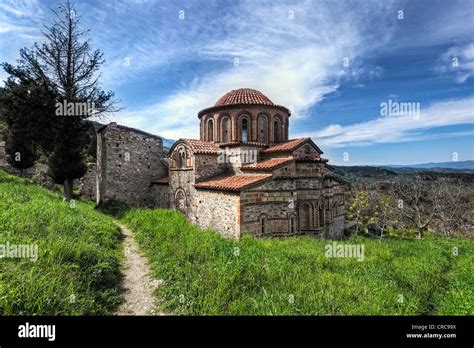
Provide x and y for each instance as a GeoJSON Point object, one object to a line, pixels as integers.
{"type": "Point", "coordinates": [232, 182]}
{"type": "Point", "coordinates": [243, 96]}
{"type": "Point", "coordinates": [162, 181]}
{"type": "Point", "coordinates": [199, 146]}
{"type": "Point", "coordinates": [268, 164]}
{"type": "Point", "coordinates": [289, 145]}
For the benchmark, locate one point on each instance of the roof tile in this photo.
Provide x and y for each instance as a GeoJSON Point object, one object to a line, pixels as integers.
{"type": "Point", "coordinates": [268, 164]}
{"type": "Point", "coordinates": [232, 182]}
{"type": "Point", "coordinates": [200, 146]}
{"type": "Point", "coordinates": [289, 145]}
{"type": "Point", "coordinates": [244, 96]}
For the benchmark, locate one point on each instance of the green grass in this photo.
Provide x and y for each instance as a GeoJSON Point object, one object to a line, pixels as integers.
{"type": "Point", "coordinates": [205, 274]}
{"type": "Point", "coordinates": [79, 253]}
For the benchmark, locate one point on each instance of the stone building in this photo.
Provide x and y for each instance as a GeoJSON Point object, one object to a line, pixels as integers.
{"type": "Point", "coordinates": [88, 183]}
{"type": "Point", "coordinates": [244, 174]}
{"type": "Point", "coordinates": [128, 161]}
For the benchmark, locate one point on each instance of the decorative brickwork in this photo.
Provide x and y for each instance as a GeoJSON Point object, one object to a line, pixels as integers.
{"type": "Point", "coordinates": [242, 176]}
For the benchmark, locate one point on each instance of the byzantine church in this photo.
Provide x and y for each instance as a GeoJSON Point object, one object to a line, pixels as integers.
{"type": "Point", "coordinates": [242, 176]}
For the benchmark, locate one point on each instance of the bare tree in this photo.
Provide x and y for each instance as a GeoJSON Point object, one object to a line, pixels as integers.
{"type": "Point", "coordinates": [456, 212]}
{"type": "Point", "coordinates": [420, 201]}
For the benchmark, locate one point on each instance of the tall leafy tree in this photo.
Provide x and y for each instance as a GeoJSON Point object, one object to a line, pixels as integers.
{"type": "Point", "coordinates": [68, 67]}
{"type": "Point", "coordinates": [24, 103]}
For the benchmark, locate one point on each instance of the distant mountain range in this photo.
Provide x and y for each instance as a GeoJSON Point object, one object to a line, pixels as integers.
{"type": "Point", "coordinates": [434, 165]}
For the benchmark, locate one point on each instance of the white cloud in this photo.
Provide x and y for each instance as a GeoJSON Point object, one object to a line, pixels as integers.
{"type": "Point", "coordinates": [399, 128]}
{"type": "Point", "coordinates": [458, 61]}
{"type": "Point", "coordinates": [295, 62]}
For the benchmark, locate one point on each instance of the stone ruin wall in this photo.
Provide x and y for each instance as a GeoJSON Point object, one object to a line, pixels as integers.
{"type": "Point", "coordinates": [88, 183]}
{"type": "Point", "coordinates": [128, 161]}
{"type": "Point", "coordinates": [162, 196]}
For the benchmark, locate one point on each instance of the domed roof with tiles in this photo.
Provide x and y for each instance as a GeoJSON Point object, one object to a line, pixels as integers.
{"type": "Point", "coordinates": [244, 96]}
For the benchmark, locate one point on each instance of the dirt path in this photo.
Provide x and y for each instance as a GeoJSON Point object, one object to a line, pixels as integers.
{"type": "Point", "coordinates": [137, 282]}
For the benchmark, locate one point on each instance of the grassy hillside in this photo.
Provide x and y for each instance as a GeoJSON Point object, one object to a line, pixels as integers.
{"type": "Point", "coordinates": [206, 274]}
{"type": "Point", "coordinates": [77, 268]}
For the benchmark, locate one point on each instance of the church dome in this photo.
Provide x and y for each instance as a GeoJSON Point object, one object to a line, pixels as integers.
{"type": "Point", "coordinates": [244, 96]}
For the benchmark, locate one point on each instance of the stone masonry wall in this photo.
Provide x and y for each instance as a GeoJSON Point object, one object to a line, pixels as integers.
{"type": "Point", "coordinates": [128, 160]}
{"type": "Point", "coordinates": [301, 151]}
{"type": "Point", "coordinates": [235, 156]}
{"type": "Point", "coordinates": [207, 166]}
{"type": "Point", "coordinates": [182, 180]}
{"type": "Point", "coordinates": [218, 211]}
{"type": "Point", "coordinates": [162, 196]}
{"type": "Point", "coordinates": [88, 183]}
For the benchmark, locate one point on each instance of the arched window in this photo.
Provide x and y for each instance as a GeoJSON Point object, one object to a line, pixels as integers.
{"type": "Point", "coordinates": [292, 225]}
{"type": "Point", "coordinates": [181, 159]}
{"type": "Point", "coordinates": [210, 130]}
{"type": "Point", "coordinates": [276, 130]}
{"type": "Point", "coordinates": [321, 214]}
{"type": "Point", "coordinates": [180, 200]}
{"type": "Point", "coordinates": [305, 216]}
{"type": "Point", "coordinates": [263, 224]}
{"type": "Point", "coordinates": [244, 130]}
{"type": "Point", "coordinates": [188, 158]}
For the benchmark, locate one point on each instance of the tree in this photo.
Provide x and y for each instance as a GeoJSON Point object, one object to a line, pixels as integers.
{"type": "Point", "coordinates": [420, 201]}
{"type": "Point", "coordinates": [456, 207]}
{"type": "Point", "coordinates": [67, 66]}
{"type": "Point", "coordinates": [359, 210]}
{"type": "Point", "coordinates": [23, 103]}
{"type": "Point", "coordinates": [384, 214]}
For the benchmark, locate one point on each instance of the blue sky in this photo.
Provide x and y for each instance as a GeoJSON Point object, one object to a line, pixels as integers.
{"type": "Point", "coordinates": [332, 62]}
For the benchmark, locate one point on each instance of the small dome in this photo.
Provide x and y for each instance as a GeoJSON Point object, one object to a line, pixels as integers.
{"type": "Point", "coordinates": [244, 96]}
